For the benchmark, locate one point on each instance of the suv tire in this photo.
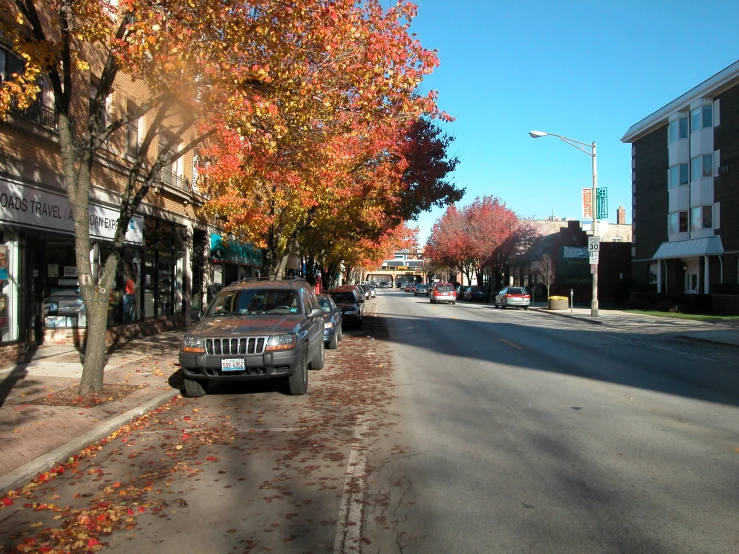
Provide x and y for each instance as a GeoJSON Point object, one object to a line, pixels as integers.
{"type": "Point", "coordinates": [298, 381]}
{"type": "Point", "coordinates": [195, 388]}
{"type": "Point", "coordinates": [319, 359]}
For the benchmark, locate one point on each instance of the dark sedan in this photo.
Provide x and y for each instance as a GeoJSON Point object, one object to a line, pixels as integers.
{"type": "Point", "coordinates": [331, 321]}
{"type": "Point", "coordinates": [350, 300]}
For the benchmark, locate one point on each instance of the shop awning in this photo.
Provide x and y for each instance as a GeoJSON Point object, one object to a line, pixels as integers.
{"type": "Point", "coordinates": [234, 252]}
{"type": "Point", "coordinates": [708, 246]}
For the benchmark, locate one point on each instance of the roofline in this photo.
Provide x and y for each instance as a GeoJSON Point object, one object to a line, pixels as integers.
{"type": "Point", "coordinates": [710, 85]}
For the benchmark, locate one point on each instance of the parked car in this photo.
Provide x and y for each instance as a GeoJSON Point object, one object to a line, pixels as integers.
{"type": "Point", "coordinates": [475, 294]}
{"type": "Point", "coordinates": [420, 290]}
{"type": "Point", "coordinates": [513, 296]}
{"type": "Point", "coordinates": [350, 300]}
{"type": "Point", "coordinates": [373, 289]}
{"type": "Point", "coordinates": [410, 287]}
{"type": "Point", "coordinates": [443, 292]}
{"type": "Point", "coordinates": [332, 333]}
{"type": "Point", "coordinates": [366, 291]}
{"type": "Point", "coordinates": [255, 330]}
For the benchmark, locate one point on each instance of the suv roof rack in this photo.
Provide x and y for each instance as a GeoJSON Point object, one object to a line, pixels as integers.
{"type": "Point", "coordinates": [269, 280]}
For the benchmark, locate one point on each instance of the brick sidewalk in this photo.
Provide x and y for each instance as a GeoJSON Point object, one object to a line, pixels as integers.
{"type": "Point", "coordinates": [30, 432]}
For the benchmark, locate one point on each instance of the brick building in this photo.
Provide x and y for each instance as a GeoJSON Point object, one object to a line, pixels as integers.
{"type": "Point", "coordinates": [170, 256]}
{"type": "Point", "coordinates": [685, 178]}
{"type": "Point", "coordinates": [566, 242]}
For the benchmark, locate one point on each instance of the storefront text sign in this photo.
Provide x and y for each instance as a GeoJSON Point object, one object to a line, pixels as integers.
{"type": "Point", "coordinates": [31, 207]}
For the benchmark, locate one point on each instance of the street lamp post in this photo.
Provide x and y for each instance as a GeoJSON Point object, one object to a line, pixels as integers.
{"type": "Point", "coordinates": [581, 146]}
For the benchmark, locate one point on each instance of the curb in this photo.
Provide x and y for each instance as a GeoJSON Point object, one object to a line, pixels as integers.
{"type": "Point", "coordinates": [587, 320]}
{"type": "Point", "coordinates": [22, 475]}
{"type": "Point", "coordinates": [708, 341]}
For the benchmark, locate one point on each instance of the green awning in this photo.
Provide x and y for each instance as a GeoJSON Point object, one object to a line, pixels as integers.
{"type": "Point", "coordinates": [234, 252]}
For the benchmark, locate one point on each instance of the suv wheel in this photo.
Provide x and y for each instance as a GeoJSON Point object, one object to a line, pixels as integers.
{"type": "Point", "coordinates": [298, 381]}
{"type": "Point", "coordinates": [195, 388]}
{"type": "Point", "coordinates": [319, 359]}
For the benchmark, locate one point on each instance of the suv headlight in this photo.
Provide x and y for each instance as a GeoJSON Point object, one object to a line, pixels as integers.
{"type": "Point", "coordinates": [280, 342]}
{"type": "Point", "coordinates": [193, 344]}
{"type": "Point", "coordinates": [328, 325]}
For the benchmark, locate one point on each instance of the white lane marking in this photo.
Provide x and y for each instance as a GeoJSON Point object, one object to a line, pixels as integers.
{"type": "Point", "coordinates": [349, 527]}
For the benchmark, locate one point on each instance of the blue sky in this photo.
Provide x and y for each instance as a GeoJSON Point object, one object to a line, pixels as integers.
{"type": "Point", "coordinates": [585, 70]}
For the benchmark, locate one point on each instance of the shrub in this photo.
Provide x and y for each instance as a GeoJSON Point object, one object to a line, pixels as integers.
{"type": "Point", "coordinates": [558, 298]}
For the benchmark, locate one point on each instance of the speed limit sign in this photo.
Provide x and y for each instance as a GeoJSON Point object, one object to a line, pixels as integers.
{"type": "Point", "coordinates": [593, 244]}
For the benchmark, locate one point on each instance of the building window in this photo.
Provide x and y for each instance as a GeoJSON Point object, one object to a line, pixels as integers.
{"type": "Point", "coordinates": [168, 174]}
{"type": "Point", "coordinates": [701, 166]}
{"type": "Point", "coordinates": [132, 131]}
{"type": "Point", "coordinates": [10, 65]}
{"type": "Point", "coordinates": [678, 222]}
{"type": "Point", "coordinates": [617, 239]}
{"type": "Point", "coordinates": [679, 129]}
{"type": "Point", "coordinates": [678, 175]}
{"type": "Point", "coordinates": [701, 117]}
{"type": "Point", "coordinates": [707, 217]}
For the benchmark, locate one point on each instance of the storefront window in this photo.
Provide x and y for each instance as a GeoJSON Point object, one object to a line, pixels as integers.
{"type": "Point", "coordinates": [165, 247]}
{"type": "Point", "coordinates": [125, 295]}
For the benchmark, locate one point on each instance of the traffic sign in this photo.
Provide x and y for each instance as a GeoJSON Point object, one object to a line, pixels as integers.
{"type": "Point", "coordinates": [594, 257]}
{"type": "Point", "coordinates": [593, 244]}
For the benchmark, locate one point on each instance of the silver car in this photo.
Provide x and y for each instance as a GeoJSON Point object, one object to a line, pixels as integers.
{"type": "Point", "coordinates": [517, 297]}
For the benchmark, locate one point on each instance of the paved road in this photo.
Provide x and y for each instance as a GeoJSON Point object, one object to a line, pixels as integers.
{"type": "Point", "coordinates": [524, 432]}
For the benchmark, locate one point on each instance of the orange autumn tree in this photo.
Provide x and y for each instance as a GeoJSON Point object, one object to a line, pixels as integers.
{"type": "Point", "coordinates": [333, 136]}
{"type": "Point", "coordinates": [208, 67]}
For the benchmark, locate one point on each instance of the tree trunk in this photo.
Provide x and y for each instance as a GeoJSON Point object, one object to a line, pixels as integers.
{"type": "Point", "coordinates": [94, 364]}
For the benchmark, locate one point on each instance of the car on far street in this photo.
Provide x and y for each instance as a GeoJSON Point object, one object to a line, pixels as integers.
{"type": "Point", "coordinates": [420, 290]}
{"type": "Point", "coordinates": [332, 333]}
{"type": "Point", "coordinates": [350, 300]}
{"type": "Point", "coordinates": [373, 289]}
{"type": "Point", "coordinates": [517, 297]}
{"type": "Point", "coordinates": [443, 292]}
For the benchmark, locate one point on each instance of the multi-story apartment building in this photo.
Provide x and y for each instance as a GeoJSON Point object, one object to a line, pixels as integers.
{"type": "Point", "coordinates": [170, 256]}
{"type": "Point", "coordinates": [685, 183]}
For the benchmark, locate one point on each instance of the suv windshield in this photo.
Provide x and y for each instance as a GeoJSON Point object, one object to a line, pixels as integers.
{"type": "Point", "coordinates": [255, 301]}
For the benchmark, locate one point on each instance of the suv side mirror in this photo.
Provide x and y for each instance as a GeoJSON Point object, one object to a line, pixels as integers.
{"type": "Point", "coordinates": [315, 312]}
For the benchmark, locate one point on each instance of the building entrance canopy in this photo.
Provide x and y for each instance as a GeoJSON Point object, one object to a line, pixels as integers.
{"type": "Point", "coordinates": [234, 252]}
{"type": "Point", "coordinates": [708, 246]}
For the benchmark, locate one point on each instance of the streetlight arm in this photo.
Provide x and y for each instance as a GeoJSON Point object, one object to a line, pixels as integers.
{"type": "Point", "coordinates": [575, 144]}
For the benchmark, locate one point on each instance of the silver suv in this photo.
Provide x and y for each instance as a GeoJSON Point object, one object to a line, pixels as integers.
{"type": "Point", "coordinates": [255, 330]}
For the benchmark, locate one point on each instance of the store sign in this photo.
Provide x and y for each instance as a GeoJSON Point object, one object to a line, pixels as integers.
{"type": "Point", "coordinates": [39, 209]}
{"type": "Point", "coordinates": [575, 252]}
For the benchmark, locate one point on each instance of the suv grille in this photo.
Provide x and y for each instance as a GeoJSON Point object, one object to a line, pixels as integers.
{"type": "Point", "coordinates": [230, 347]}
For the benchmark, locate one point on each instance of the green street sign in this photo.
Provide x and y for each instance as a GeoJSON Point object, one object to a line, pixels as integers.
{"type": "Point", "coordinates": [601, 203]}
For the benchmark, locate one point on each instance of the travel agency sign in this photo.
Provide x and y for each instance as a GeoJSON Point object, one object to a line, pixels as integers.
{"type": "Point", "coordinates": [28, 206]}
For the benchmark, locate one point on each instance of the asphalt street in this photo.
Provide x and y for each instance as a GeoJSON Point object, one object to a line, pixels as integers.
{"type": "Point", "coordinates": [524, 432]}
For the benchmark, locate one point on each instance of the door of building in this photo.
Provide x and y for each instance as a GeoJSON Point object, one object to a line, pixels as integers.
{"type": "Point", "coordinates": [691, 276]}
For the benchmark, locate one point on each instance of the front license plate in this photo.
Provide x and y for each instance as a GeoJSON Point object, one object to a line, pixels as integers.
{"type": "Point", "coordinates": [233, 364]}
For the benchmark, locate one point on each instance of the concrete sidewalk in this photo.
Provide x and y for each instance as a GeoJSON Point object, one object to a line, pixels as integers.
{"type": "Point", "coordinates": [717, 332]}
{"type": "Point", "coordinates": [35, 436]}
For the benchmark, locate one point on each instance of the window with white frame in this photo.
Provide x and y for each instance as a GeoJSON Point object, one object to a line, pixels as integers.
{"type": "Point", "coordinates": [132, 130]}
{"type": "Point", "coordinates": [701, 117]}
{"type": "Point", "coordinates": [701, 166]}
{"type": "Point", "coordinates": [678, 129]}
{"type": "Point", "coordinates": [678, 175]}
{"type": "Point", "coordinates": [678, 222]}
